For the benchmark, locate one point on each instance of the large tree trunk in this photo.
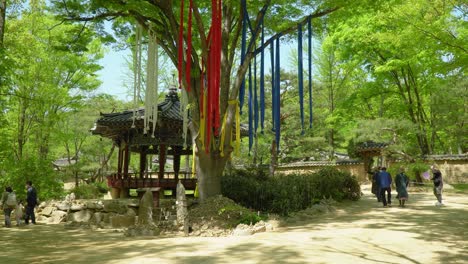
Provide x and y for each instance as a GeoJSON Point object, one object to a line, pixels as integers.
{"type": "Point", "coordinates": [2, 20]}
{"type": "Point", "coordinates": [210, 168]}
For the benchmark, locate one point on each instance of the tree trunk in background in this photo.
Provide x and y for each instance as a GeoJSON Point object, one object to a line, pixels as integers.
{"type": "Point", "coordinates": [210, 168]}
{"type": "Point", "coordinates": [2, 20]}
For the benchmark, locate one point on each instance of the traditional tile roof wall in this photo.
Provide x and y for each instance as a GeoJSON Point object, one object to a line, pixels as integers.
{"type": "Point", "coordinates": [370, 146]}
{"type": "Point", "coordinates": [447, 157]}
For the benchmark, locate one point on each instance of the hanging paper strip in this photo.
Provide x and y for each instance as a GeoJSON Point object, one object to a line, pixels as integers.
{"type": "Point", "coordinates": [136, 72]}
{"type": "Point", "coordinates": [262, 83]}
{"type": "Point", "coordinates": [299, 72]}
{"type": "Point", "coordinates": [309, 27]}
{"type": "Point", "coordinates": [273, 108]}
{"type": "Point", "coordinates": [151, 94]}
{"type": "Point", "coordinates": [251, 128]}
{"type": "Point", "coordinates": [277, 95]}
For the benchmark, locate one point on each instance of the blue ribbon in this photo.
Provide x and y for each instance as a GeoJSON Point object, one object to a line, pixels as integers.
{"type": "Point", "coordinates": [277, 91]}
{"type": "Point", "coordinates": [273, 108]}
{"type": "Point", "coordinates": [262, 84]}
{"type": "Point", "coordinates": [300, 77]}
{"type": "Point", "coordinates": [309, 26]}
{"type": "Point", "coordinates": [251, 129]}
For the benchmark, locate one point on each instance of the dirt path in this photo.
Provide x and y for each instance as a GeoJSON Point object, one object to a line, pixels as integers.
{"type": "Point", "coordinates": [359, 232]}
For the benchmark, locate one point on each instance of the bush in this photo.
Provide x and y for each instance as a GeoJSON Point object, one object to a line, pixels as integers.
{"type": "Point", "coordinates": [89, 191]}
{"type": "Point", "coordinates": [283, 194]}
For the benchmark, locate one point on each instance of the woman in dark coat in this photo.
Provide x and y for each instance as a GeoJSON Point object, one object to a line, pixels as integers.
{"type": "Point", "coordinates": [401, 182]}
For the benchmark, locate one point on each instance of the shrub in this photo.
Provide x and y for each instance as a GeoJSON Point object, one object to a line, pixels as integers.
{"type": "Point", "coordinates": [89, 191]}
{"type": "Point", "coordinates": [283, 194]}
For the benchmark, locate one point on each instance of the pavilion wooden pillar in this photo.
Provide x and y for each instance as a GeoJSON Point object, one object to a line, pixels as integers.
{"type": "Point", "coordinates": [176, 166]}
{"type": "Point", "coordinates": [126, 160]}
{"type": "Point", "coordinates": [119, 161]}
{"type": "Point", "coordinates": [125, 191]}
{"type": "Point", "coordinates": [142, 162]}
{"type": "Point", "coordinates": [162, 160]}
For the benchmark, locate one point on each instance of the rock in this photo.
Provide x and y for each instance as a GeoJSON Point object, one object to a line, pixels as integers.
{"type": "Point", "coordinates": [242, 232]}
{"type": "Point", "coordinates": [94, 205]}
{"type": "Point", "coordinates": [77, 207]}
{"type": "Point", "coordinates": [145, 210]}
{"type": "Point", "coordinates": [119, 221]}
{"type": "Point", "coordinates": [79, 216]}
{"type": "Point", "coordinates": [182, 213]}
{"type": "Point", "coordinates": [115, 206]}
{"type": "Point", "coordinates": [258, 229]}
{"type": "Point", "coordinates": [47, 211]}
{"type": "Point", "coordinates": [63, 206]}
{"type": "Point", "coordinates": [98, 217]}
{"type": "Point", "coordinates": [131, 212]}
{"type": "Point", "coordinates": [42, 205]}
{"type": "Point", "coordinates": [57, 217]}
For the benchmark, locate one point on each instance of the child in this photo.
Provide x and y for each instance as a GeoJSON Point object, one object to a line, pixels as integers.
{"type": "Point", "coordinates": [19, 213]}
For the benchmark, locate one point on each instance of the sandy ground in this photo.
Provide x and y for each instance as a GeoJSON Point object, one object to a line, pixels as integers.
{"type": "Point", "coordinates": [357, 232]}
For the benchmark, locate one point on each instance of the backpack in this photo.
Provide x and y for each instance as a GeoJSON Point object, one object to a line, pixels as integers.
{"type": "Point", "coordinates": [11, 200]}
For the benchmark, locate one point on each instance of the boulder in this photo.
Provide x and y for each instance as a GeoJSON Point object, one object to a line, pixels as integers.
{"type": "Point", "coordinates": [80, 216]}
{"type": "Point", "coordinates": [63, 206]}
{"type": "Point", "coordinates": [115, 206]}
{"type": "Point", "coordinates": [47, 211]}
{"type": "Point", "coordinates": [57, 217]}
{"type": "Point", "coordinates": [77, 207]}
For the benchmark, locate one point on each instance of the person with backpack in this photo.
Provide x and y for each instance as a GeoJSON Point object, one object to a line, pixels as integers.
{"type": "Point", "coordinates": [31, 202]}
{"type": "Point", "coordinates": [8, 204]}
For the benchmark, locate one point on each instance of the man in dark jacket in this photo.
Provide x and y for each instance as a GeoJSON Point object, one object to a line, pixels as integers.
{"type": "Point", "coordinates": [385, 181]}
{"type": "Point", "coordinates": [31, 200]}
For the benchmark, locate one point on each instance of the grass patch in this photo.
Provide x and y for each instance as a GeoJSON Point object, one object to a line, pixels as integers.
{"type": "Point", "coordinates": [460, 187]}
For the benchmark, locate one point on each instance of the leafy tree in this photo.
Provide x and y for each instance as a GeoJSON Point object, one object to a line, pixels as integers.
{"type": "Point", "coordinates": [162, 18]}
{"type": "Point", "coordinates": [54, 68]}
{"type": "Point", "coordinates": [407, 49]}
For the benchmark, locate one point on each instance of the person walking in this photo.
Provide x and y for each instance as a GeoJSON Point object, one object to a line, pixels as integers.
{"type": "Point", "coordinates": [375, 183]}
{"type": "Point", "coordinates": [8, 204]}
{"type": "Point", "coordinates": [31, 202]}
{"type": "Point", "coordinates": [438, 184]}
{"type": "Point", "coordinates": [385, 181]}
{"type": "Point", "coordinates": [401, 183]}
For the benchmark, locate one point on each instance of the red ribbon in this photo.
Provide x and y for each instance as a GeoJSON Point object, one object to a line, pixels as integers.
{"type": "Point", "coordinates": [180, 48]}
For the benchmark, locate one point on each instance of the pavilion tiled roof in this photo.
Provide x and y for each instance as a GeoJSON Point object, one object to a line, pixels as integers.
{"type": "Point", "coordinates": [168, 109]}
{"type": "Point", "coordinates": [119, 126]}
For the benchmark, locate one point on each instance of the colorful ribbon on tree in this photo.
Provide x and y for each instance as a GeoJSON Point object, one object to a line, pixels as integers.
{"type": "Point", "coordinates": [299, 73]}
{"type": "Point", "coordinates": [309, 27]}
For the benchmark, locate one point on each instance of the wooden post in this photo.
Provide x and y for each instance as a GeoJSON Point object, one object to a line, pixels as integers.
{"type": "Point", "coordinates": [126, 160]}
{"type": "Point", "coordinates": [162, 160]}
{"type": "Point", "coordinates": [176, 165]}
{"type": "Point", "coordinates": [119, 162]}
{"type": "Point", "coordinates": [142, 162]}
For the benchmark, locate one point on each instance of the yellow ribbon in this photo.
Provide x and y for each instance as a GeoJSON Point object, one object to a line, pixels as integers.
{"type": "Point", "coordinates": [237, 146]}
{"type": "Point", "coordinates": [223, 136]}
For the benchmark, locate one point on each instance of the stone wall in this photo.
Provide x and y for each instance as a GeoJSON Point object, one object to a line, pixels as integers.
{"type": "Point", "coordinates": [453, 171]}
{"type": "Point", "coordinates": [100, 213]}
